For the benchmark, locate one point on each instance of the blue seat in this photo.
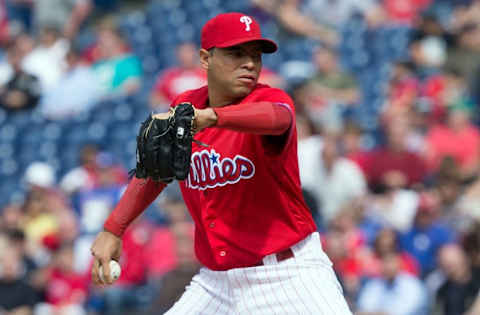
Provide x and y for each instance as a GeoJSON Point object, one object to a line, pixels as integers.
{"type": "Point", "coordinates": [3, 116]}
{"type": "Point", "coordinates": [7, 150]}
{"type": "Point", "coordinates": [9, 167]}
{"type": "Point", "coordinates": [19, 119]}
{"type": "Point", "coordinates": [121, 133]}
{"type": "Point", "coordinates": [8, 132]}
{"type": "Point", "coordinates": [186, 32]}
{"type": "Point", "coordinates": [96, 131]}
{"type": "Point", "coordinates": [175, 19]}
{"type": "Point", "coordinates": [81, 117]}
{"type": "Point", "coordinates": [52, 131]}
{"type": "Point", "coordinates": [76, 133]}
{"type": "Point", "coordinates": [123, 112]}
{"type": "Point", "coordinates": [48, 150]}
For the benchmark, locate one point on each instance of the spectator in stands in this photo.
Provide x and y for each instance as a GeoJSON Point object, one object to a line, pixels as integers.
{"type": "Point", "coordinates": [345, 245]}
{"type": "Point", "coordinates": [462, 284]}
{"type": "Point", "coordinates": [427, 235]}
{"type": "Point", "coordinates": [95, 204]}
{"type": "Point", "coordinates": [16, 239]}
{"type": "Point", "coordinates": [403, 85]}
{"type": "Point", "coordinates": [467, 204]}
{"type": "Point", "coordinates": [334, 82]}
{"type": "Point", "coordinates": [471, 245]}
{"type": "Point", "coordinates": [369, 222]}
{"type": "Point", "coordinates": [47, 59]}
{"type": "Point", "coordinates": [404, 12]}
{"type": "Point", "coordinates": [464, 56]}
{"type": "Point", "coordinates": [467, 12]}
{"type": "Point", "coordinates": [40, 178]}
{"type": "Point", "coordinates": [77, 90]}
{"type": "Point", "coordinates": [163, 239]}
{"type": "Point", "coordinates": [333, 180]}
{"type": "Point", "coordinates": [291, 17]}
{"type": "Point", "coordinates": [21, 45]}
{"type": "Point", "coordinates": [329, 90]}
{"type": "Point", "coordinates": [428, 56]}
{"type": "Point", "coordinates": [119, 71]}
{"type": "Point", "coordinates": [16, 295]}
{"type": "Point", "coordinates": [387, 242]}
{"type": "Point", "coordinates": [353, 143]}
{"type": "Point", "coordinates": [100, 186]}
{"type": "Point", "coordinates": [392, 165]}
{"type": "Point", "coordinates": [395, 293]}
{"type": "Point", "coordinates": [172, 247]}
{"type": "Point", "coordinates": [309, 149]}
{"type": "Point", "coordinates": [65, 15]}
{"type": "Point", "coordinates": [132, 291]}
{"type": "Point", "coordinates": [271, 78]}
{"type": "Point", "coordinates": [11, 217]}
{"type": "Point", "coordinates": [21, 90]}
{"type": "Point", "coordinates": [18, 14]}
{"type": "Point", "coordinates": [173, 81]}
{"type": "Point", "coordinates": [394, 208]}
{"type": "Point", "coordinates": [458, 138]}
{"type": "Point", "coordinates": [86, 176]}
{"type": "Point", "coordinates": [174, 282]}
{"type": "Point", "coordinates": [65, 289]}
{"type": "Point", "coordinates": [430, 23]}
{"type": "Point", "coordinates": [39, 219]}
{"type": "Point", "coordinates": [475, 308]}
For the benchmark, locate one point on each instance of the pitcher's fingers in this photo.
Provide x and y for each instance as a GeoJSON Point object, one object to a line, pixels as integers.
{"type": "Point", "coordinates": [95, 272]}
{"type": "Point", "coordinates": [107, 279]}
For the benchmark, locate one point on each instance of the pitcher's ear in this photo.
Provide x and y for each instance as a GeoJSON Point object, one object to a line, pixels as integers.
{"type": "Point", "coordinates": [205, 57]}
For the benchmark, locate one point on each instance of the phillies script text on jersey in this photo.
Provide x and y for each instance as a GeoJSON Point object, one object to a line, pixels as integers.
{"type": "Point", "coordinates": [209, 170]}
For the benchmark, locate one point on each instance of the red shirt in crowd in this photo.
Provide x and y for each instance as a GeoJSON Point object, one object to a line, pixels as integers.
{"type": "Point", "coordinates": [379, 162]}
{"type": "Point", "coordinates": [462, 145]}
{"type": "Point", "coordinates": [175, 81]}
{"type": "Point", "coordinates": [135, 254]}
{"type": "Point", "coordinates": [162, 251]}
{"type": "Point", "coordinates": [405, 11]}
{"type": "Point", "coordinates": [372, 266]}
{"type": "Point", "coordinates": [64, 288]}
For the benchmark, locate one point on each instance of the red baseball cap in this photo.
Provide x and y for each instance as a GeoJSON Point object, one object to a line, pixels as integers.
{"type": "Point", "coordinates": [230, 29]}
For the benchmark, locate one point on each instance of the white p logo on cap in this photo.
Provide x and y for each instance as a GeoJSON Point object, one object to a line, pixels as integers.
{"type": "Point", "coordinates": [247, 20]}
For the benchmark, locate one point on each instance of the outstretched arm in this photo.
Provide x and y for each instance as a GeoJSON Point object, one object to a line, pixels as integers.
{"type": "Point", "coordinates": [264, 118]}
{"type": "Point", "coordinates": [139, 194]}
{"type": "Point", "coordinates": [107, 246]}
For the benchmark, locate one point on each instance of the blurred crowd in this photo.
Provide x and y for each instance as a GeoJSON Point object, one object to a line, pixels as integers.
{"type": "Point", "coordinates": [397, 204]}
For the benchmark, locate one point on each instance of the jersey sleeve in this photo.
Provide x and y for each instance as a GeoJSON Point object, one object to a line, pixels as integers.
{"type": "Point", "coordinates": [136, 198]}
{"type": "Point", "coordinates": [277, 144]}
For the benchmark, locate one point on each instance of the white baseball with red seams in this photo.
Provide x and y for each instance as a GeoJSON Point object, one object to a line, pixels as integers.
{"type": "Point", "coordinates": [115, 271]}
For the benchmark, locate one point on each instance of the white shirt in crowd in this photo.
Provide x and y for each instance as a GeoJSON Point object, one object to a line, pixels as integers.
{"type": "Point", "coordinates": [332, 189]}
{"type": "Point", "coordinates": [405, 295]}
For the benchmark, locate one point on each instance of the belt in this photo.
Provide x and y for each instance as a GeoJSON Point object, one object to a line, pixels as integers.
{"type": "Point", "coordinates": [281, 256]}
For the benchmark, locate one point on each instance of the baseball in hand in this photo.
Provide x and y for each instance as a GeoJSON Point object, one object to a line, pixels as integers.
{"type": "Point", "coordinates": [115, 271]}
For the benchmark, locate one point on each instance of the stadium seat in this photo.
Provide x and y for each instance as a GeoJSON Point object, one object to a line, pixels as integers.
{"type": "Point", "coordinates": [7, 150]}
{"type": "Point", "coordinates": [52, 131]}
{"type": "Point", "coordinates": [8, 132]}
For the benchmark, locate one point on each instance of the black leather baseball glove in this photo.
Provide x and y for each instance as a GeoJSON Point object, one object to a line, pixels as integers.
{"type": "Point", "coordinates": [164, 146]}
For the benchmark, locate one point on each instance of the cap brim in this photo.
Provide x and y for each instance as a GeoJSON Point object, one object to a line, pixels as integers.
{"type": "Point", "coordinates": [268, 46]}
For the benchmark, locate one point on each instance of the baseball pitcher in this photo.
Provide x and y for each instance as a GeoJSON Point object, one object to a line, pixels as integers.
{"type": "Point", "coordinates": [233, 147]}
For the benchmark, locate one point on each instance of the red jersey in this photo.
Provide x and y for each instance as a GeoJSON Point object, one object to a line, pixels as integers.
{"type": "Point", "coordinates": [244, 197]}
{"type": "Point", "coordinates": [66, 288]}
{"type": "Point", "coordinates": [177, 80]}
